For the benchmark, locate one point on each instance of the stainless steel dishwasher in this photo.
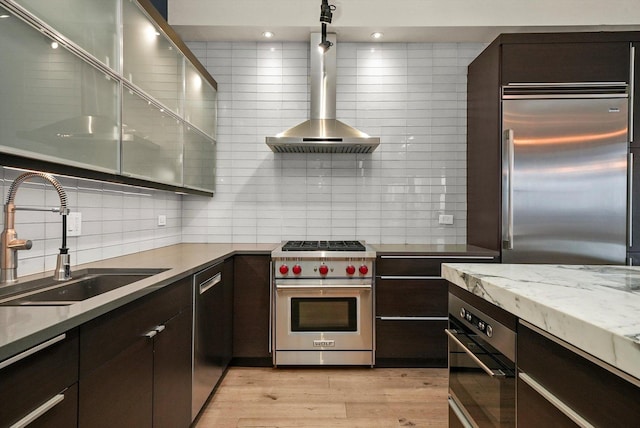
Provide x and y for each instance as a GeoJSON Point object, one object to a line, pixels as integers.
{"type": "Point", "coordinates": [208, 332]}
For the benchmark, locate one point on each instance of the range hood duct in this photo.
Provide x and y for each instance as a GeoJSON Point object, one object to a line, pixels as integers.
{"type": "Point", "coordinates": [323, 133]}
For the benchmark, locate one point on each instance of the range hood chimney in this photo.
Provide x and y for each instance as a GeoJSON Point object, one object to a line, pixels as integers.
{"type": "Point", "coordinates": [323, 133]}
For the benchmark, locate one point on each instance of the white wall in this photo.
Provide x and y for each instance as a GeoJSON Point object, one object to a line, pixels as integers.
{"type": "Point", "coordinates": [116, 220]}
{"type": "Point", "coordinates": [412, 95]}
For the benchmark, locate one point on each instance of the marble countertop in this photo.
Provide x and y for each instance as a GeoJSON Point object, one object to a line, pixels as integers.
{"type": "Point", "coordinates": [25, 326]}
{"type": "Point", "coordinates": [594, 308]}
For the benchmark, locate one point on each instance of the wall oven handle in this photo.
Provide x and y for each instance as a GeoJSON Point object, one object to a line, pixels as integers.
{"type": "Point", "coordinates": [483, 366]}
{"type": "Point", "coordinates": [555, 401]}
{"type": "Point", "coordinates": [458, 412]}
{"type": "Point", "coordinates": [326, 287]}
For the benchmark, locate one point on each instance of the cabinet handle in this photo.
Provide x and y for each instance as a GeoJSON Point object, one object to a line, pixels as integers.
{"type": "Point", "coordinates": [271, 311]}
{"type": "Point", "coordinates": [483, 366]}
{"type": "Point", "coordinates": [32, 351]}
{"type": "Point", "coordinates": [151, 334]}
{"type": "Point", "coordinates": [160, 328]}
{"type": "Point", "coordinates": [555, 401]}
{"type": "Point", "coordinates": [408, 277]}
{"type": "Point", "coordinates": [210, 282]}
{"type": "Point", "coordinates": [507, 170]}
{"type": "Point", "coordinates": [44, 408]}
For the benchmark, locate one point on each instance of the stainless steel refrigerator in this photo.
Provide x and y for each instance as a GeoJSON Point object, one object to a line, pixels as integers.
{"type": "Point", "coordinates": [565, 173]}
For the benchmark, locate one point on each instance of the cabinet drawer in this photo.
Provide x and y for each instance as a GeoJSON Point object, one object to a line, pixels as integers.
{"type": "Point", "coordinates": [419, 343]}
{"type": "Point", "coordinates": [573, 379]}
{"type": "Point", "coordinates": [411, 297]}
{"type": "Point", "coordinates": [35, 379]}
{"type": "Point", "coordinates": [428, 265]}
{"type": "Point", "coordinates": [105, 337]}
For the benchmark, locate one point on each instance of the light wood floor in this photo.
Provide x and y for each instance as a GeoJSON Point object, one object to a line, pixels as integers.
{"type": "Point", "coordinates": [328, 398]}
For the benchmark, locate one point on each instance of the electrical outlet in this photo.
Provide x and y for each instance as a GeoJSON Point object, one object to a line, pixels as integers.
{"type": "Point", "coordinates": [162, 220]}
{"type": "Point", "coordinates": [445, 219]}
{"type": "Point", "coordinates": [74, 224]}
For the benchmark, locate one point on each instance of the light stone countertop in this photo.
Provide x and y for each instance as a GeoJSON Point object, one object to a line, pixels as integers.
{"type": "Point", "coordinates": [594, 308]}
{"type": "Point", "coordinates": [22, 327]}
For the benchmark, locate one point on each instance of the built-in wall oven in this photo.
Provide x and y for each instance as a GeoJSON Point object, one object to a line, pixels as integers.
{"type": "Point", "coordinates": [482, 368]}
{"type": "Point", "coordinates": [323, 304]}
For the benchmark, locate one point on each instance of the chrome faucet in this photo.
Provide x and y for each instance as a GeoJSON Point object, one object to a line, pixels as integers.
{"type": "Point", "coordinates": [9, 238]}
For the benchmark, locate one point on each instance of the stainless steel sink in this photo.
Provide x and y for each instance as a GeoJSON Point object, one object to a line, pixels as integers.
{"type": "Point", "coordinates": [84, 285]}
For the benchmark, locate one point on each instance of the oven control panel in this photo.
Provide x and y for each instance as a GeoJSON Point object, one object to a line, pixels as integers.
{"type": "Point", "coordinates": [349, 268]}
{"type": "Point", "coordinates": [477, 322]}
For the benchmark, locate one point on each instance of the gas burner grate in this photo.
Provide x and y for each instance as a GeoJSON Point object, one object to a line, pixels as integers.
{"type": "Point", "coordinates": [323, 246]}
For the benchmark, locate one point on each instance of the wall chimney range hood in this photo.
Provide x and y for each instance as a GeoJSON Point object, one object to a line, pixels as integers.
{"type": "Point", "coordinates": [323, 133]}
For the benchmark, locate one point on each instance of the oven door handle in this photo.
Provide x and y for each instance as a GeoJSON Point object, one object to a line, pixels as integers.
{"type": "Point", "coordinates": [483, 366]}
{"type": "Point", "coordinates": [328, 287]}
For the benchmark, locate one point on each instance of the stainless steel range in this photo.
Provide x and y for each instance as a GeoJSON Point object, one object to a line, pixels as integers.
{"type": "Point", "coordinates": [323, 303]}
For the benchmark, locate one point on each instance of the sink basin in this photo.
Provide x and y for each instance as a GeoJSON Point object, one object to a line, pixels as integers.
{"type": "Point", "coordinates": [85, 284]}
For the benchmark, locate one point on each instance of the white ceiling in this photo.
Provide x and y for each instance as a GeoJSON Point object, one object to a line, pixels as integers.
{"type": "Point", "coordinates": [399, 20]}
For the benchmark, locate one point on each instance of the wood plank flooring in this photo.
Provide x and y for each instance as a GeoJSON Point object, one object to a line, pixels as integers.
{"type": "Point", "coordinates": [328, 398]}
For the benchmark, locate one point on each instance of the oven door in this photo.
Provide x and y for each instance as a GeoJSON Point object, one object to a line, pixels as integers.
{"type": "Point", "coordinates": [481, 381]}
{"type": "Point", "coordinates": [331, 316]}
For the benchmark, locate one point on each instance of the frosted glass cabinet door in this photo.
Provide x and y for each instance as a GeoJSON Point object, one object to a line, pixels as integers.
{"type": "Point", "coordinates": [93, 25]}
{"type": "Point", "coordinates": [201, 101]}
{"type": "Point", "coordinates": [151, 62]}
{"type": "Point", "coordinates": [151, 142]}
{"type": "Point", "coordinates": [199, 161]}
{"type": "Point", "coordinates": [53, 106]}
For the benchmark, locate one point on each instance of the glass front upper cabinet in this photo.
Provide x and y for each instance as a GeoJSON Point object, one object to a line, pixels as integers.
{"type": "Point", "coordinates": [54, 106]}
{"type": "Point", "coordinates": [151, 141]}
{"type": "Point", "coordinates": [201, 101]}
{"type": "Point", "coordinates": [199, 160]}
{"type": "Point", "coordinates": [92, 25]}
{"type": "Point", "coordinates": [151, 61]}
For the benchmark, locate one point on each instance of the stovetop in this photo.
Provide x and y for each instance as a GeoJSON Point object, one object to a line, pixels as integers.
{"type": "Point", "coordinates": [323, 246]}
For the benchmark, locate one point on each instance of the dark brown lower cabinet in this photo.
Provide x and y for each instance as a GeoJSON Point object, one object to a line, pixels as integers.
{"type": "Point", "coordinates": [172, 373]}
{"type": "Point", "coordinates": [557, 383]}
{"type": "Point", "coordinates": [135, 363]}
{"type": "Point", "coordinates": [48, 378]}
{"type": "Point", "coordinates": [408, 343]}
{"type": "Point", "coordinates": [251, 310]}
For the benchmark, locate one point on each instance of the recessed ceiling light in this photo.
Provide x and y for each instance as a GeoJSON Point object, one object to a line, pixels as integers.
{"type": "Point", "coordinates": [3, 16]}
{"type": "Point", "coordinates": [376, 35]}
{"type": "Point", "coordinates": [54, 45]}
{"type": "Point", "coordinates": [268, 34]}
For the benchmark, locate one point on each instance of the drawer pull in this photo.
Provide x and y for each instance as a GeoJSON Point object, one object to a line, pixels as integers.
{"type": "Point", "coordinates": [458, 412]}
{"type": "Point", "coordinates": [413, 318]}
{"type": "Point", "coordinates": [151, 334]}
{"type": "Point", "coordinates": [210, 282]}
{"type": "Point", "coordinates": [555, 401]}
{"type": "Point", "coordinates": [32, 351]}
{"type": "Point", "coordinates": [407, 277]}
{"type": "Point", "coordinates": [44, 408]}
{"type": "Point", "coordinates": [439, 257]}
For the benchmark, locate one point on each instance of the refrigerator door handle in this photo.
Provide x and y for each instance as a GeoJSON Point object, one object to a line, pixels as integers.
{"type": "Point", "coordinates": [630, 203]}
{"type": "Point", "coordinates": [507, 171]}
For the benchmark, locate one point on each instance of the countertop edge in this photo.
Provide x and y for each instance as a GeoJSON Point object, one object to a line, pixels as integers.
{"type": "Point", "coordinates": [122, 296]}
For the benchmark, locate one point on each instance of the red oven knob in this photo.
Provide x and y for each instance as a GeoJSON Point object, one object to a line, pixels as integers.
{"type": "Point", "coordinates": [323, 269]}
{"type": "Point", "coordinates": [363, 270]}
{"type": "Point", "coordinates": [297, 269]}
{"type": "Point", "coordinates": [284, 269]}
{"type": "Point", "coordinates": [351, 269]}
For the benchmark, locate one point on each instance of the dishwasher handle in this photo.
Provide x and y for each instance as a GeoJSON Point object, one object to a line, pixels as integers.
{"type": "Point", "coordinates": [206, 285]}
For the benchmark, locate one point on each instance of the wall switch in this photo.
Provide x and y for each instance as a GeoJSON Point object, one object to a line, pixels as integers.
{"type": "Point", "coordinates": [445, 219]}
{"type": "Point", "coordinates": [162, 220]}
{"type": "Point", "coordinates": [74, 224]}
